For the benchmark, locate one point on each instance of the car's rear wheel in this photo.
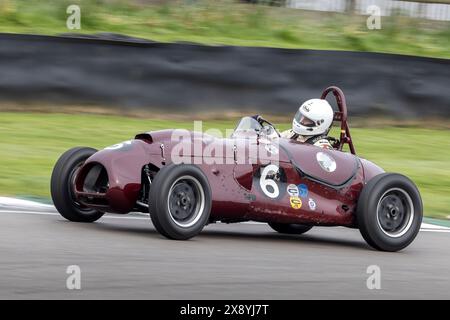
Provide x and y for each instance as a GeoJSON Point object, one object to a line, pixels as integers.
{"type": "Point", "coordinates": [180, 201]}
{"type": "Point", "coordinates": [289, 228]}
{"type": "Point", "coordinates": [62, 182]}
{"type": "Point", "coordinates": [389, 212]}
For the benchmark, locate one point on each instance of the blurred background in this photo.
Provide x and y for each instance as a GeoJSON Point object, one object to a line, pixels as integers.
{"type": "Point", "coordinates": [140, 65]}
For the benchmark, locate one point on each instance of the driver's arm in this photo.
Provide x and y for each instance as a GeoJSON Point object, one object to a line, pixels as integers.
{"type": "Point", "coordinates": [323, 143]}
{"type": "Point", "coordinates": [287, 134]}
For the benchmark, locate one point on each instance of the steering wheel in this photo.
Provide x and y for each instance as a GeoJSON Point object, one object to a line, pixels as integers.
{"type": "Point", "coordinates": [267, 127]}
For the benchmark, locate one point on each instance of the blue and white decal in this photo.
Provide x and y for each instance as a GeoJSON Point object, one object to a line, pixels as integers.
{"type": "Point", "coordinates": [303, 190]}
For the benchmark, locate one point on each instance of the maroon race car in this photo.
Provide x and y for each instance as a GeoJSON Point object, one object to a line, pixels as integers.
{"type": "Point", "coordinates": [186, 180]}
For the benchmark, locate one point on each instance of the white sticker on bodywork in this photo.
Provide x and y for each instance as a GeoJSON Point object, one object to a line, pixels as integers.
{"type": "Point", "coordinates": [312, 204]}
{"type": "Point", "coordinates": [326, 162]}
{"type": "Point", "coordinates": [292, 190]}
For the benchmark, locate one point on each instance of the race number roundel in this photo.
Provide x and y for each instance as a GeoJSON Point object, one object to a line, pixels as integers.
{"type": "Point", "coordinates": [268, 185]}
{"type": "Point", "coordinates": [326, 162]}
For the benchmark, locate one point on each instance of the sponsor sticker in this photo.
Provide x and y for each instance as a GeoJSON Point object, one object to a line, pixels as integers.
{"type": "Point", "coordinates": [326, 162]}
{"type": "Point", "coordinates": [296, 202]}
{"type": "Point", "coordinates": [312, 204]}
{"type": "Point", "coordinates": [303, 190]}
{"type": "Point", "coordinates": [292, 190]}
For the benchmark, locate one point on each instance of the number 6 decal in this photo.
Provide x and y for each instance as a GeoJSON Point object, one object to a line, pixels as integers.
{"type": "Point", "coordinates": [265, 182]}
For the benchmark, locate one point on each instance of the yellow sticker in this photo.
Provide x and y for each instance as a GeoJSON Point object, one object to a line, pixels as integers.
{"type": "Point", "coordinates": [296, 202]}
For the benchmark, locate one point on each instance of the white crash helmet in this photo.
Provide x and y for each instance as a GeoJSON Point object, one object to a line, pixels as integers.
{"type": "Point", "coordinates": [314, 117]}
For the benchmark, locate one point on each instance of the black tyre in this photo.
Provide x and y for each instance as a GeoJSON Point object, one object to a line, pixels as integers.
{"type": "Point", "coordinates": [180, 201]}
{"type": "Point", "coordinates": [389, 212]}
{"type": "Point", "coordinates": [61, 186]}
{"type": "Point", "coordinates": [289, 228]}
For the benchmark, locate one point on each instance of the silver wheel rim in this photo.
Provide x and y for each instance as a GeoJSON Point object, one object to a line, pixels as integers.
{"type": "Point", "coordinates": [395, 206]}
{"type": "Point", "coordinates": [190, 205]}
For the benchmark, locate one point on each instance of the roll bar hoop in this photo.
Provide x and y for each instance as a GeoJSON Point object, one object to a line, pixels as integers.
{"type": "Point", "coordinates": [341, 116]}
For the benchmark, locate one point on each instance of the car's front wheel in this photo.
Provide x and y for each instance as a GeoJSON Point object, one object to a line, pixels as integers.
{"type": "Point", "coordinates": [62, 182]}
{"type": "Point", "coordinates": [389, 212]}
{"type": "Point", "coordinates": [180, 201]}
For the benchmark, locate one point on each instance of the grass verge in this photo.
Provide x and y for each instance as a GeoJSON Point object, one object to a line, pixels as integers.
{"type": "Point", "coordinates": [231, 23]}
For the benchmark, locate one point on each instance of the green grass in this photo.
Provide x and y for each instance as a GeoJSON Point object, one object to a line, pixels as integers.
{"type": "Point", "coordinates": [231, 23]}
{"type": "Point", "coordinates": [31, 144]}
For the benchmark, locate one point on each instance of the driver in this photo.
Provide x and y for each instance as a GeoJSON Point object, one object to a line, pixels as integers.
{"type": "Point", "coordinates": [311, 123]}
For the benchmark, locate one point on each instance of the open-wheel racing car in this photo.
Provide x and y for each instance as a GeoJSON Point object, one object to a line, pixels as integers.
{"type": "Point", "coordinates": [253, 175]}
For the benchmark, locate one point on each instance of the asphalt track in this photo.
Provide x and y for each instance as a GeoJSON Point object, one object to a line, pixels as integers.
{"type": "Point", "coordinates": [123, 257]}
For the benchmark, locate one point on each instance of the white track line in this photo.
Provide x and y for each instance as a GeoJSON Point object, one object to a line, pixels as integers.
{"type": "Point", "coordinates": [435, 230]}
{"type": "Point", "coordinates": [426, 227]}
{"type": "Point", "coordinates": [433, 226]}
{"type": "Point", "coordinates": [5, 201]}
{"type": "Point", "coordinates": [44, 213]}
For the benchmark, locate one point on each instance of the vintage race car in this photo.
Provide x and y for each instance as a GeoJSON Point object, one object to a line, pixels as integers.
{"type": "Point", "coordinates": [186, 180]}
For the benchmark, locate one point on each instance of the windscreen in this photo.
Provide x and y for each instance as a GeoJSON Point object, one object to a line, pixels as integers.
{"type": "Point", "coordinates": [246, 126]}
